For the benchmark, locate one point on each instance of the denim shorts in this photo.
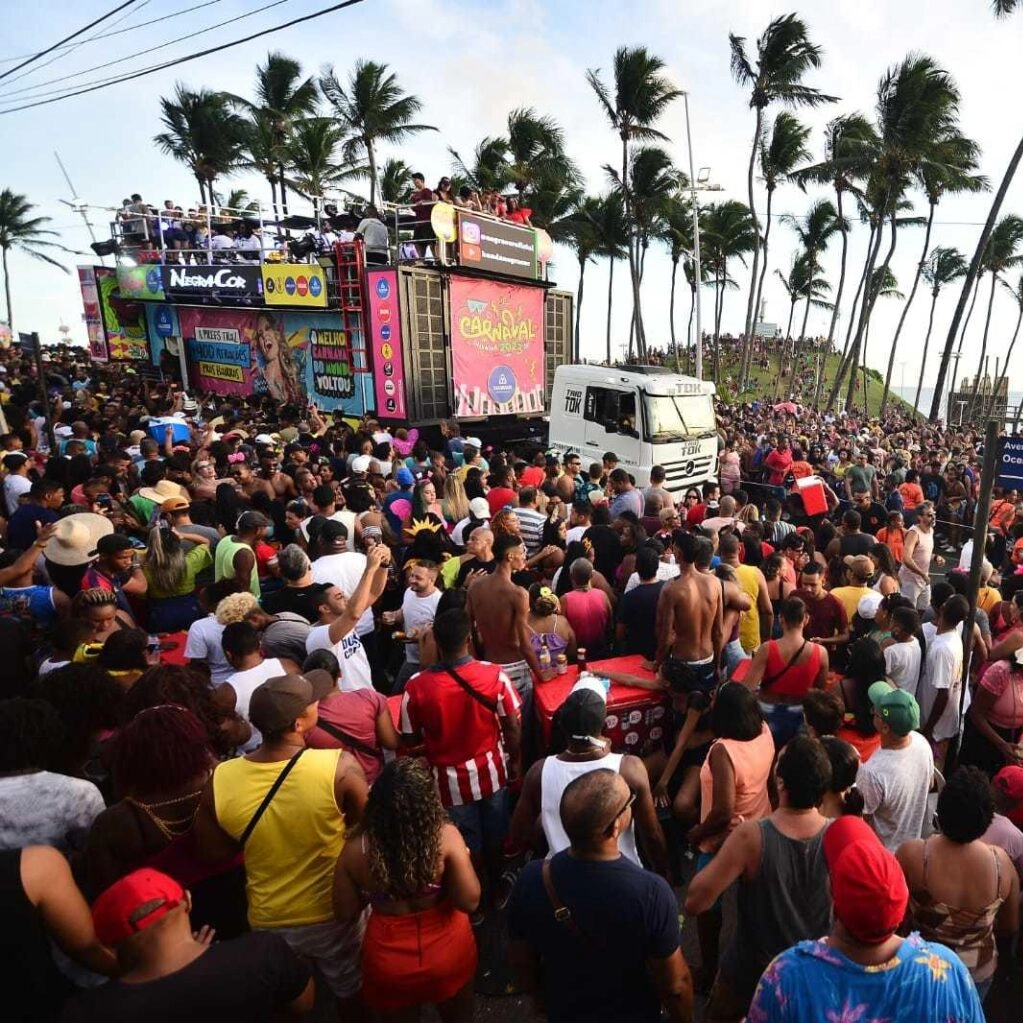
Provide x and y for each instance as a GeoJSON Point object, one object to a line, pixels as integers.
{"type": "Point", "coordinates": [784, 719]}
{"type": "Point", "coordinates": [483, 823]}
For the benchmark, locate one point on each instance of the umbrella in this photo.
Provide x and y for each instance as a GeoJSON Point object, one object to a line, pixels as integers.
{"type": "Point", "coordinates": [786, 406]}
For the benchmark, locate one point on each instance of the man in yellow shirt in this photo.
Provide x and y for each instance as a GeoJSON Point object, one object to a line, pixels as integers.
{"type": "Point", "coordinates": [754, 624]}
{"type": "Point", "coordinates": [859, 570]}
{"type": "Point", "coordinates": [292, 834]}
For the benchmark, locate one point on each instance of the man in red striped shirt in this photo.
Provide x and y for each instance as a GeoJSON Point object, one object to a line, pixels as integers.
{"type": "Point", "coordinates": [467, 715]}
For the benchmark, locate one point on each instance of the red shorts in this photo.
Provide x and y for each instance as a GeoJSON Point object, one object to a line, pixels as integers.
{"type": "Point", "coordinates": [416, 958]}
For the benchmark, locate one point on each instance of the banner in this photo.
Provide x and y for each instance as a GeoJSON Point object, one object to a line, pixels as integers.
{"type": "Point", "coordinates": [213, 285]}
{"type": "Point", "coordinates": [1009, 472]}
{"type": "Point", "coordinates": [124, 320]}
{"type": "Point", "coordinates": [384, 324]}
{"type": "Point", "coordinates": [144, 283]}
{"type": "Point", "coordinates": [294, 284]}
{"type": "Point", "coordinates": [496, 245]}
{"type": "Point", "coordinates": [28, 343]}
{"type": "Point", "coordinates": [91, 314]}
{"type": "Point", "coordinates": [326, 350]}
{"type": "Point", "coordinates": [497, 347]}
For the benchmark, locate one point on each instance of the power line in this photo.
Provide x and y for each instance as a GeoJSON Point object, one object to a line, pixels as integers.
{"type": "Point", "coordinates": [121, 31]}
{"type": "Point", "coordinates": [184, 60]}
{"type": "Point", "coordinates": [140, 53]}
{"type": "Point", "coordinates": [50, 49]}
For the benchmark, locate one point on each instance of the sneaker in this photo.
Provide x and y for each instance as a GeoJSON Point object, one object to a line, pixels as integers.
{"type": "Point", "coordinates": [504, 886]}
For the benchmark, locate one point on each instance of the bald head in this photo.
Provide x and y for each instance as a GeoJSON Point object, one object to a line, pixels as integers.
{"type": "Point", "coordinates": [591, 806]}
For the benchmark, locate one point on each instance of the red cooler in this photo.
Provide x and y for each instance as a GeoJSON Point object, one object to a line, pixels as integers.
{"type": "Point", "coordinates": [811, 490]}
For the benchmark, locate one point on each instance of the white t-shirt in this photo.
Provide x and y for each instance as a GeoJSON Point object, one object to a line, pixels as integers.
{"type": "Point", "coordinates": [943, 669]}
{"type": "Point", "coordinates": [575, 534]}
{"type": "Point", "coordinates": [350, 653]}
{"type": "Point", "coordinates": [902, 664]}
{"type": "Point", "coordinates": [14, 486]}
{"type": "Point", "coordinates": [344, 571]}
{"type": "Point", "coordinates": [42, 808]}
{"type": "Point", "coordinates": [418, 614]}
{"type": "Point", "coordinates": [204, 644]}
{"type": "Point", "coordinates": [665, 572]}
{"type": "Point", "coordinates": [895, 784]}
{"type": "Point", "coordinates": [244, 684]}
{"type": "Point", "coordinates": [347, 518]}
{"type": "Point", "coordinates": [459, 530]}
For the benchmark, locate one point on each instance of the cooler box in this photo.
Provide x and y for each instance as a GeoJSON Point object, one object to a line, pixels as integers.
{"type": "Point", "coordinates": [157, 429]}
{"type": "Point", "coordinates": [636, 725]}
{"type": "Point", "coordinates": [811, 490]}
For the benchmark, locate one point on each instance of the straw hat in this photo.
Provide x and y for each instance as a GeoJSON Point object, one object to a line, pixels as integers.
{"type": "Point", "coordinates": [75, 538]}
{"type": "Point", "coordinates": [162, 492]}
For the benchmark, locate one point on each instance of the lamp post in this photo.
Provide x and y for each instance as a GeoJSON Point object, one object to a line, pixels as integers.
{"type": "Point", "coordinates": [699, 183]}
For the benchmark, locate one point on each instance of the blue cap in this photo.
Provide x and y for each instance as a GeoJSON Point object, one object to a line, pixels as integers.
{"type": "Point", "coordinates": [404, 477]}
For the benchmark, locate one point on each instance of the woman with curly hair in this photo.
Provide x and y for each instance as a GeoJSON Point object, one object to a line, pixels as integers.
{"type": "Point", "coordinates": [411, 866]}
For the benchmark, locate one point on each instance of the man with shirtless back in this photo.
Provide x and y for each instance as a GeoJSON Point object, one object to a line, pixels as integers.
{"type": "Point", "coordinates": [689, 622]}
{"type": "Point", "coordinates": [498, 609]}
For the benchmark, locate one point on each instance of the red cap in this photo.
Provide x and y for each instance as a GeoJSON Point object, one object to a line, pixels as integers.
{"type": "Point", "coordinates": [868, 887]}
{"type": "Point", "coordinates": [1009, 781]}
{"type": "Point", "coordinates": [133, 904]}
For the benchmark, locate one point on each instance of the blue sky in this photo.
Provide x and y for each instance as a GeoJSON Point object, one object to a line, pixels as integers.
{"type": "Point", "coordinates": [472, 62]}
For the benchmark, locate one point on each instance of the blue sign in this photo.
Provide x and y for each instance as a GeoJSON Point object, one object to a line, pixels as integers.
{"type": "Point", "coordinates": [289, 284]}
{"type": "Point", "coordinates": [164, 322]}
{"type": "Point", "coordinates": [502, 384]}
{"type": "Point", "coordinates": [154, 279]}
{"type": "Point", "coordinates": [315, 287]}
{"type": "Point", "coordinates": [383, 288]}
{"type": "Point", "coordinates": [385, 332]}
{"type": "Point", "coordinates": [1010, 463]}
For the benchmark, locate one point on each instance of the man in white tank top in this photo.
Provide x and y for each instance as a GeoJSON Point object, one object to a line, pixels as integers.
{"type": "Point", "coordinates": [915, 573]}
{"type": "Point", "coordinates": [581, 718]}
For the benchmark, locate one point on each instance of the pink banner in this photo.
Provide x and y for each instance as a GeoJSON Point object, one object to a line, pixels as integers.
{"type": "Point", "coordinates": [497, 347]}
{"type": "Point", "coordinates": [92, 317]}
{"type": "Point", "coordinates": [385, 341]}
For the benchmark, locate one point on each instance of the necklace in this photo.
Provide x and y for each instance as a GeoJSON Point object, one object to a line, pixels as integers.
{"type": "Point", "coordinates": [169, 827]}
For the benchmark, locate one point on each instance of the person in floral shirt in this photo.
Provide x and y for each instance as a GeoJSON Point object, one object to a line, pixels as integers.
{"type": "Point", "coordinates": [863, 972]}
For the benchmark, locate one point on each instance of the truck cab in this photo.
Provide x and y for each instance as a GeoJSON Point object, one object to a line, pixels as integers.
{"type": "Point", "coordinates": [646, 415]}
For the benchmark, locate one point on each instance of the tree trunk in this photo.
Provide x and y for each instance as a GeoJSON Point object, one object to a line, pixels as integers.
{"type": "Point", "coordinates": [783, 348]}
{"type": "Point", "coordinates": [1004, 375]}
{"type": "Point", "coordinates": [202, 189]}
{"type": "Point", "coordinates": [7, 297]}
{"type": "Point", "coordinates": [802, 331]}
{"type": "Point", "coordinates": [843, 363]}
{"type": "Point", "coordinates": [838, 299]}
{"type": "Point", "coordinates": [637, 316]}
{"type": "Point", "coordinates": [763, 268]}
{"type": "Point", "coordinates": [747, 347]}
{"type": "Point", "coordinates": [971, 274]}
{"type": "Point", "coordinates": [610, 296]}
{"type": "Point", "coordinates": [923, 360]}
{"type": "Point", "coordinates": [671, 314]}
{"type": "Point", "coordinates": [579, 306]}
{"type": "Point", "coordinates": [962, 335]}
{"type": "Point", "coordinates": [905, 310]}
{"type": "Point", "coordinates": [983, 348]}
{"type": "Point", "coordinates": [371, 157]}
{"type": "Point", "coordinates": [717, 328]}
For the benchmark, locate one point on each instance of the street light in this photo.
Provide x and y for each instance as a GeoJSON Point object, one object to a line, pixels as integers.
{"type": "Point", "coordinates": [697, 183]}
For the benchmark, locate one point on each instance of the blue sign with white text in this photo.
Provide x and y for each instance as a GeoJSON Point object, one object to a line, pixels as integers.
{"type": "Point", "coordinates": [1010, 463]}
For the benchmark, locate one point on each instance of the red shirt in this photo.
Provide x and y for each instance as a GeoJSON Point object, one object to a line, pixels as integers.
{"type": "Point", "coordinates": [533, 476]}
{"type": "Point", "coordinates": [778, 463]}
{"type": "Point", "coordinates": [461, 736]}
{"type": "Point", "coordinates": [501, 497]}
{"type": "Point", "coordinates": [520, 215]}
{"type": "Point", "coordinates": [588, 612]}
{"type": "Point", "coordinates": [356, 714]}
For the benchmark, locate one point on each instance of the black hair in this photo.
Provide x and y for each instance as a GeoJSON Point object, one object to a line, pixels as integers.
{"type": "Point", "coordinates": [451, 630]}
{"type": "Point", "coordinates": [852, 519]}
{"type": "Point", "coordinates": [906, 618]}
{"type": "Point", "coordinates": [239, 639]}
{"type": "Point", "coordinates": [736, 713]}
{"type": "Point", "coordinates": [703, 552]}
{"type": "Point", "coordinates": [966, 805]}
{"type": "Point", "coordinates": [125, 650]}
{"type": "Point", "coordinates": [646, 563]}
{"type": "Point", "coordinates": [940, 592]}
{"type": "Point", "coordinates": [845, 765]}
{"type": "Point", "coordinates": [804, 767]}
{"type": "Point", "coordinates": [823, 711]}
{"type": "Point", "coordinates": [504, 543]}
{"type": "Point", "coordinates": [322, 660]}
{"type": "Point", "coordinates": [955, 610]}
{"type": "Point", "coordinates": [30, 734]}
{"type": "Point", "coordinates": [866, 666]}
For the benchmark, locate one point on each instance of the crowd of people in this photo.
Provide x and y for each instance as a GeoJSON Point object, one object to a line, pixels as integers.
{"type": "Point", "coordinates": [271, 719]}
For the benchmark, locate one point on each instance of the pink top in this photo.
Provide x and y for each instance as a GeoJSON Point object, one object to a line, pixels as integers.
{"type": "Point", "coordinates": [589, 614]}
{"type": "Point", "coordinates": [1007, 686]}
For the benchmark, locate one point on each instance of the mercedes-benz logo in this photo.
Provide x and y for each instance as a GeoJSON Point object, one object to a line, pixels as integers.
{"type": "Point", "coordinates": [689, 469]}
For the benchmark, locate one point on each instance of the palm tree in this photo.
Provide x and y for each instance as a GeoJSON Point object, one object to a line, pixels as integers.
{"type": "Point", "coordinates": [204, 133]}
{"type": "Point", "coordinates": [23, 233]}
{"type": "Point", "coordinates": [814, 231]}
{"type": "Point", "coordinates": [238, 200]}
{"type": "Point", "coordinates": [584, 237]}
{"type": "Point", "coordinates": [490, 168]}
{"type": "Point", "coordinates": [642, 93]}
{"type": "Point", "coordinates": [676, 231]}
{"type": "Point", "coordinates": [884, 284]}
{"type": "Point", "coordinates": [784, 55]}
{"type": "Point", "coordinates": [1017, 294]}
{"type": "Point", "coordinates": [802, 282]}
{"type": "Point", "coordinates": [1001, 8]}
{"type": "Point", "coordinates": [917, 109]}
{"type": "Point", "coordinates": [614, 239]}
{"type": "Point", "coordinates": [395, 181]}
{"type": "Point", "coordinates": [943, 267]}
{"type": "Point", "coordinates": [951, 173]}
{"type": "Point", "coordinates": [260, 154]}
{"type": "Point", "coordinates": [727, 232]}
{"type": "Point", "coordinates": [779, 156]}
{"type": "Point", "coordinates": [312, 153]}
{"type": "Point", "coordinates": [536, 150]}
{"type": "Point", "coordinates": [282, 99]}
{"type": "Point", "coordinates": [371, 109]}
{"type": "Point", "coordinates": [1002, 254]}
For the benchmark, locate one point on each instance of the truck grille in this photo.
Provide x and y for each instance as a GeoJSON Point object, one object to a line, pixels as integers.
{"type": "Point", "coordinates": [678, 475]}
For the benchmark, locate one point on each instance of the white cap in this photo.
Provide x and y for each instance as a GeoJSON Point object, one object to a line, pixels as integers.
{"type": "Point", "coordinates": [264, 438]}
{"type": "Point", "coordinates": [63, 431]}
{"type": "Point", "coordinates": [479, 509]}
{"type": "Point", "coordinates": [474, 442]}
{"type": "Point", "coordinates": [594, 684]}
{"type": "Point", "coordinates": [868, 605]}
{"type": "Point", "coordinates": [361, 463]}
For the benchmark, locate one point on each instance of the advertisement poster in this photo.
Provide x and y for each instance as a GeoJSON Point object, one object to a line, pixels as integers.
{"type": "Point", "coordinates": [91, 316]}
{"type": "Point", "coordinates": [291, 357]}
{"type": "Point", "coordinates": [385, 342]}
{"type": "Point", "coordinates": [144, 283]}
{"type": "Point", "coordinates": [124, 320]}
{"type": "Point", "coordinates": [294, 284]}
{"type": "Point", "coordinates": [496, 245]}
{"type": "Point", "coordinates": [213, 285]}
{"type": "Point", "coordinates": [497, 347]}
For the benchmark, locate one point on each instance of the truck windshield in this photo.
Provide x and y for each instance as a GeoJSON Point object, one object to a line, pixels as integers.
{"type": "Point", "coordinates": [678, 417]}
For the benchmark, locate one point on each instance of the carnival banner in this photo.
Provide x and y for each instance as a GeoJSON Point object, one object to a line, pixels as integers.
{"type": "Point", "coordinates": [124, 320]}
{"type": "Point", "coordinates": [91, 316]}
{"type": "Point", "coordinates": [384, 326]}
{"type": "Point", "coordinates": [294, 284]}
{"type": "Point", "coordinates": [497, 347]}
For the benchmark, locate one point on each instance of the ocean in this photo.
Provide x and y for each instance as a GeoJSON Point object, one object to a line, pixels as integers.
{"type": "Point", "coordinates": [927, 393]}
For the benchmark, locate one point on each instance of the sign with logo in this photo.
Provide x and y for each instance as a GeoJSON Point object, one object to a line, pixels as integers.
{"type": "Point", "coordinates": [213, 285]}
{"type": "Point", "coordinates": [124, 320]}
{"type": "Point", "coordinates": [163, 321]}
{"type": "Point", "coordinates": [497, 347]}
{"type": "Point", "coordinates": [143, 283]}
{"type": "Point", "coordinates": [294, 284]}
{"type": "Point", "coordinates": [573, 401]}
{"type": "Point", "coordinates": [496, 245]}
{"type": "Point", "coordinates": [1010, 463]}
{"type": "Point", "coordinates": [91, 315]}
{"type": "Point", "coordinates": [384, 326]}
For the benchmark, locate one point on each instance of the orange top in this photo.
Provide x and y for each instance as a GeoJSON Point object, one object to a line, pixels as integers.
{"type": "Point", "coordinates": [912, 495]}
{"type": "Point", "coordinates": [894, 540]}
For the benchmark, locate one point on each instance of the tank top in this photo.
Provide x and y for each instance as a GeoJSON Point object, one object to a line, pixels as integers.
{"type": "Point", "coordinates": [291, 853]}
{"type": "Point", "coordinates": [554, 779]}
{"type": "Point", "coordinates": [751, 762]}
{"type": "Point", "coordinates": [555, 643]}
{"type": "Point", "coordinates": [749, 621]}
{"type": "Point", "coordinates": [797, 680]}
{"type": "Point", "coordinates": [968, 932]}
{"type": "Point", "coordinates": [786, 902]}
{"type": "Point", "coordinates": [223, 561]}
